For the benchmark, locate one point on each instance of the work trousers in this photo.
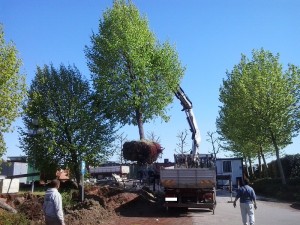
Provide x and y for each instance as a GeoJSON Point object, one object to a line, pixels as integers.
{"type": "Point", "coordinates": [247, 210]}
{"type": "Point", "coordinates": [53, 221]}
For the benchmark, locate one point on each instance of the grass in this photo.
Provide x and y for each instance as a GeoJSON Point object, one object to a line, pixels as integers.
{"type": "Point", "coordinates": [7, 218]}
{"type": "Point", "coordinates": [36, 191]}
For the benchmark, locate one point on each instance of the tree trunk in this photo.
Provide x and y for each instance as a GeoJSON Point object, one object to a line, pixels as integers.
{"type": "Point", "coordinates": [259, 164]}
{"type": "Point", "coordinates": [265, 168]}
{"type": "Point", "coordinates": [282, 176]}
{"type": "Point", "coordinates": [251, 168]}
{"type": "Point", "coordinates": [246, 164]}
{"type": "Point", "coordinates": [77, 173]}
{"type": "Point", "coordinates": [76, 165]}
{"type": "Point", "coordinates": [140, 124]}
{"type": "Point", "coordinates": [74, 157]}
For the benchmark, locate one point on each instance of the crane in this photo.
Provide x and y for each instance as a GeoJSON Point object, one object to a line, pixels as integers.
{"type": "Point", "coordinates": [187, 105]}
{"type": "Point", "coordinates": [188, 108]}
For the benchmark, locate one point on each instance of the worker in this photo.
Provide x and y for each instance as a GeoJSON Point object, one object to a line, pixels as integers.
{"type": "Point", "coordinates": [247, 197]}
{"type": "Point", "coordinates": [52, 206]}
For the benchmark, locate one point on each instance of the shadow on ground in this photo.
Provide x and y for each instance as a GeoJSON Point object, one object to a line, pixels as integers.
{"type": "Point", "coordinates": [142, 207]}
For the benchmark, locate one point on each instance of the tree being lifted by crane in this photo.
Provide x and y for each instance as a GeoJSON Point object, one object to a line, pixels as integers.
{"type": "Point", "coordinates": [144, 152]}
{"type": "Point", "coordinates": [147, 151]}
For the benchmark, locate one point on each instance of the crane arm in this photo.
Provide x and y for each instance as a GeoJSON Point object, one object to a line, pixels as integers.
{"type": "Point", "coordinates": [188, 108]}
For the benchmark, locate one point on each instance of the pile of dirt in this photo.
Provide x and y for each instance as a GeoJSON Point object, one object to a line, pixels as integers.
{"type": "Point", "coordinates": [87, 212]}
{"type": "Point", "coordinates": [28, 204]}
{"type": "Point", "coordinates": [109, 197]}
{"type": "Point", "coordinates": [101, 204]}
{"type": "Point", "coordinates": [32, 207]}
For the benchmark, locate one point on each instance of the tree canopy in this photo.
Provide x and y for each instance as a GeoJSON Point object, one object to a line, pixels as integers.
{"type": "Point", "coordinates": [260, 104]}
{"type": "Point", "coordinates": [74, 130]}
{"type": "Point", "coordinates": [134, 76]}
{"type": "Point", "coordinates": [12, 87]}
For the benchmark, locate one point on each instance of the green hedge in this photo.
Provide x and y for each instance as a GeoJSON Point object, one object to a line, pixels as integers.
{"type": "Point", "coordinates": [290, 165]}
{"type": "Point", "coordinates": [273, 188]}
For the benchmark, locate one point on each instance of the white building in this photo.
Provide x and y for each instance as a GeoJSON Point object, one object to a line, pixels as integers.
{"type": "Point", "coordinates": [17, 166]}
{"type": "Point", "coordinates": [229, 168]}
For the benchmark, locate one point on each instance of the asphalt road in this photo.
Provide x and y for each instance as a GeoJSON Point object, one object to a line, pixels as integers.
{"type": "Point", "coordinates": [268, 213]}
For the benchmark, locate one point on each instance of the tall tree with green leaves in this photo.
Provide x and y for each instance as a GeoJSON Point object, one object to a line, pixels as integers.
{"type": "Point", "coordinates": [74, 130]}
{"type": "Point", "coordinates": [261, 103]}
{"type": "Point", "coordinates": [134, 76]}
{"type": "Point", "coordinates": [12, 87]}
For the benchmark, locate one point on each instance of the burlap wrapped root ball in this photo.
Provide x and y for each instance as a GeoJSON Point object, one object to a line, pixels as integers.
{"type": "Point", "coordinates": [141, 151]}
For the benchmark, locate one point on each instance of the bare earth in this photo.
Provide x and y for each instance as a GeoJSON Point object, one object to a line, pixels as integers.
{"type": "Point", "coordinates": [105, 205]}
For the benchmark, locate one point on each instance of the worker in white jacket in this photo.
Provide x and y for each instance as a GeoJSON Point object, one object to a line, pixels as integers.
{"type": "Point", "coordinates": [52, 206]}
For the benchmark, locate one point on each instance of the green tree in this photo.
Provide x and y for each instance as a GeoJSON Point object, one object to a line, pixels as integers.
{"type": "Point", "coordinates": [12, 87]}
{"type": "Point", "coordinates": [133, 74]}
{"type": "Point", "coordinates": [260, 104]}
{"type": "Point", "coordinates": [74, 130]}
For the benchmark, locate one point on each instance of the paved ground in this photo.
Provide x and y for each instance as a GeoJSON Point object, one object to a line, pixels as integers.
{"type": "Point", "coordinates": [267, 213]}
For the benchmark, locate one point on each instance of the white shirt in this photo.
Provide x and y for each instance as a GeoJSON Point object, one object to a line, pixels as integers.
{"type": "Point", "coordinates": [53, 204]}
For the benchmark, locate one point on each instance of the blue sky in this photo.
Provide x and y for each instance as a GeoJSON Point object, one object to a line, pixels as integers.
{"type": "Point", "coordinates": [209, 36]}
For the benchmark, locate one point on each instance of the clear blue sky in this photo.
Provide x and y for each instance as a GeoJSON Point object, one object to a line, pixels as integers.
{"type": "Point", "coordinates": [209, 37]}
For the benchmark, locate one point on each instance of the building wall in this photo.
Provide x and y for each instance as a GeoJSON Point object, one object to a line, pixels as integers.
{"type": "Point", "coordinates": [31, 178]}
{"type": "Point", "coordinates": [7, 168]}
{"type": "Point", "coordinates": [11, 168]}
{"type": "Point", "coordinates": [20, 168]}
{"type": "Point", "coordinates": [236, 170]}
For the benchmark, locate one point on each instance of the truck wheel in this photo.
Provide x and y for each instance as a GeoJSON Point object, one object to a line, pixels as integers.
{"type": "Point", "coordinates": [171, 209]}
{"type": "Point", "coordinates": [183, 209]}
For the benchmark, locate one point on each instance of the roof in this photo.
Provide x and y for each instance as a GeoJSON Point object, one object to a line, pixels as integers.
{"type": "Point", "coordinates": [224, 159]}
{"type": "Point", "coordinates": [17, 158]}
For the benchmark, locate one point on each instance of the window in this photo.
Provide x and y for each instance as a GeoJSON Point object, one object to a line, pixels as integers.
{"type": "Point", "coordinates": [227, 167]}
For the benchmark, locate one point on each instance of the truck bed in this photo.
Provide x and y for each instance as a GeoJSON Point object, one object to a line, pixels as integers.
{"type": "Point", "coordinates": [188, 178]}
{"type": "Point", "coordinates": [110, 169]}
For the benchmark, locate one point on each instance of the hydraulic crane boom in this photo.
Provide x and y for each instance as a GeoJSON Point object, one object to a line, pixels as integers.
{"type": "Point", "coordinates": [191, 182]}
{"type": "Point", "coordinates": [187, 107]}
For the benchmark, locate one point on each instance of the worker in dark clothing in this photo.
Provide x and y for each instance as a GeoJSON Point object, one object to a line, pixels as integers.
{"type": "Point", "coordinates": [247, 197]}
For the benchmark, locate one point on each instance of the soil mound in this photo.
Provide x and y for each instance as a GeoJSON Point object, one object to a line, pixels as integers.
{"type": "Point", "coordinates": [101, 204]}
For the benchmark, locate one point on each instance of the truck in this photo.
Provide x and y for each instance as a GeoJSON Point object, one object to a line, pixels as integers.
{"type": "Point", "coordinates": [191, 183]}
{"type": "Point", "coordinates": [107, 171]}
